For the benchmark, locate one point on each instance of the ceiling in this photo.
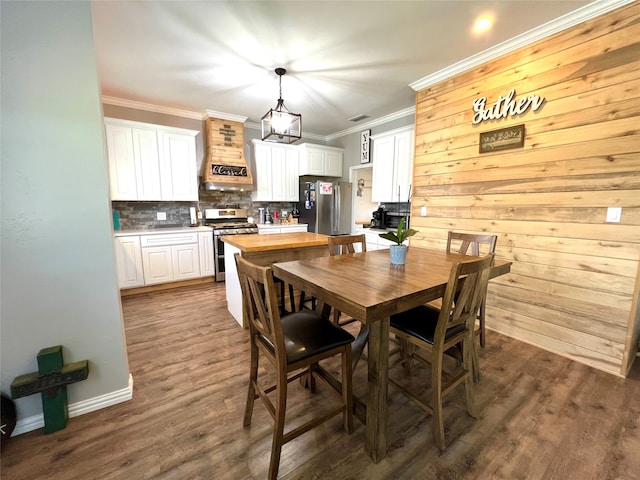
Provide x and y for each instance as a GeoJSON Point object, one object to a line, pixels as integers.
{"type": "Point", "coordinates": [343, 59]}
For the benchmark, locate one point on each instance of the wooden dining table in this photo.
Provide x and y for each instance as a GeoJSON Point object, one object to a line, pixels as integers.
{"type": "Point", "coordinates": [367, 287]}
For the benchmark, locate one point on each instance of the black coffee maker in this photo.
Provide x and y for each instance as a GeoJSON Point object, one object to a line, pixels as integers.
{"type": "Point", "coordinates": [379, 218]}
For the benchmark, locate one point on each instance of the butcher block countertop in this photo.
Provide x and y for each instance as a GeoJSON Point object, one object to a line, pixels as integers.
{"type": "Point", "coordinates": [276, 241]}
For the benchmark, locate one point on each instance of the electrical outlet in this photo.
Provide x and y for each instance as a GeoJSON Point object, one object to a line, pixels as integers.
{"type": "Point", "coordinates": [423, 211]}
{"type": "Point", "coordinates": [162, 215]}
{"type": "Point", "coordinates": [614, 214]}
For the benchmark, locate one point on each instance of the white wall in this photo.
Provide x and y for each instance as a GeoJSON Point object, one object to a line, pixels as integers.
{"type": "Point", "coordinates": [58, 280]}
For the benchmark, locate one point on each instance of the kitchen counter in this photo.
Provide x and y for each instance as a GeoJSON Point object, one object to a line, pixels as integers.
{"type": "Point", "coordinates": [277, 241]}
{"type": "Point", "coordinates": [265, 250]}
{"type": "Point", "coordinates": [159, 231]}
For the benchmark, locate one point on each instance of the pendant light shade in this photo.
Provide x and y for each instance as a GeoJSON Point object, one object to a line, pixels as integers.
{"type": "Point", "coordinates": [279, 124]}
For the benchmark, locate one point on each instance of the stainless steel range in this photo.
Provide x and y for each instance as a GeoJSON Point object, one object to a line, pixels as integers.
{"type": "Point", "coordinates": [226, 221]}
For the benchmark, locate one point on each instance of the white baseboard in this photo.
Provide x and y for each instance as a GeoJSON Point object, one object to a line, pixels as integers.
{"type": "Point", "coordinates": [34, 422]}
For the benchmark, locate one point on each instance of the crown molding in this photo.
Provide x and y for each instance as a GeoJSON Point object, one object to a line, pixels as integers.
{"type": "Point", "coordinates": [121, 102]}
{"type": "Point", "coordinates": [576, 17]}
{"type": "Point", "coordinates": [372, 123]}
{"type": "Point", "coordinates": [224, 116]}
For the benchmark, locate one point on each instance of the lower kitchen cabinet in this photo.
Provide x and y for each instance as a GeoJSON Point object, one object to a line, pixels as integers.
{"type": "Point", "coordinates": [129, 261]}
{"type": "Point", "coordinates": [163, 258]}
{"type": "Point", "coordinates": [170, 257]}
{"type": "Point", "coordinates": [207, 263]}
{"type": "Point", "coordinates": [170, 263]}
{"type": "Point", "coordinates": [375, 242]}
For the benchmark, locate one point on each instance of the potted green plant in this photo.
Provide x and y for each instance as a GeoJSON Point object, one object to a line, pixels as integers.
{"type": "Point", "coordinates": [398, 251]}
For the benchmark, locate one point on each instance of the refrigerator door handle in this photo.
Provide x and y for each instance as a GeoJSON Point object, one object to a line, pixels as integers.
{"type": "Point", "coordinates": [336, 209]}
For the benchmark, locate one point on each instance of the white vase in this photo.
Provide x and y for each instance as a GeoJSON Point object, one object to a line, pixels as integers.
{"type": "Point", "coordinates": [398, 254]}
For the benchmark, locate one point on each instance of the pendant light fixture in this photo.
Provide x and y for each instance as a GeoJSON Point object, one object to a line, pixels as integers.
{"type": "Point", "coordinates": [279, 124]}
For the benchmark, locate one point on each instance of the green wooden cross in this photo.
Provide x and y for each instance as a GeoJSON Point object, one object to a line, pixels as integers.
{"type": "Point", "coordinates": [51, 381]}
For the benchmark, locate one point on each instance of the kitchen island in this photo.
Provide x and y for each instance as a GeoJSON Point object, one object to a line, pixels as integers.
{"type": "Point", "coordinates": [265, 250]}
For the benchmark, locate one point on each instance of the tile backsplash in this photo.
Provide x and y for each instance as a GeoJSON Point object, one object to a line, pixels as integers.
{"type": "Point", "coordinates": [140, 215]}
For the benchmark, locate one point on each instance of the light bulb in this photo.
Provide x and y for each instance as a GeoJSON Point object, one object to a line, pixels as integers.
{"type": "Point", "coordinates": [280, 122]}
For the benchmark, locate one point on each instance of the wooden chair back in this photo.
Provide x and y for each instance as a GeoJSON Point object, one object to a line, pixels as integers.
{"type": "Point", "coordinates": [260, 302]}
{"type": "Point", "coordinates": [472, 243]}
{"type": "Point", "coordinates": [461, 303]}
{"type": "Point", "coordinates": [343, 244]}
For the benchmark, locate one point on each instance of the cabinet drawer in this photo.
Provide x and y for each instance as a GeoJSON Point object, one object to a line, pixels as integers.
{"type": "Point", "coordinates": [168, 239]}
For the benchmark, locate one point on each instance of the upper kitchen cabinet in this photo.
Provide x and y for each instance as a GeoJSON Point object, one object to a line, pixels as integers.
{"type": "Point", "coordinates": [320, 161]}
{"type": "Point", "coordinates": [276, 172]}
{"type": "Point", "coordinates": [151, 162]}
{"type": "Point", "coordinates": [392, 166]}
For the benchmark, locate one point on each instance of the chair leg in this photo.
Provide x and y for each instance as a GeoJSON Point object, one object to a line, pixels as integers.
{"type": "Point", "coordinates": [437, 422]}
{"type": "Point", "coordinates": [357, 347]}
{"type": "Point", "coordinates": [347, 393]}
{"type": "Point", "coordinates": [482, 329]}
{"type": "Point", "coordinates": [475, 365]}
{"type": "Point", "coordinates": [469, 363]}
{"type": "Point", "coordinates": [409, 350]}
{"type": "Point", "coordinates": [253, 378]}
{"type": "Point", "coordinates": [278, 427]}
{"type": "Point", "coordinates": [311, 378]}
{"type": "Point", "coordinates": [292, 299]}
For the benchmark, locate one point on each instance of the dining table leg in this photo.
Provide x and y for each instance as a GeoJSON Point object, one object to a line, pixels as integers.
{"type": "Point", "coordinates": [378, 372]}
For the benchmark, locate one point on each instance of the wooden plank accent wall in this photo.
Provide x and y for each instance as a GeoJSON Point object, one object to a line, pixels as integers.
{"type": "Point", "coordinates": [575, 279]}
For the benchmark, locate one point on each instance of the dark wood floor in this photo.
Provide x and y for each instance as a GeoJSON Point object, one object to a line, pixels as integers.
{"type": "Point", "coordinates": [541, 416]}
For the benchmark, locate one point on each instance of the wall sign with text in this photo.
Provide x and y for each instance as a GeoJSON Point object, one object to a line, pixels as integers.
{"type": "Point", "coordinates": [504, 107]}
{"type": "Point", "coordinates": [503, 139]}
{"type": "Point", "coordinates": [365, 138]}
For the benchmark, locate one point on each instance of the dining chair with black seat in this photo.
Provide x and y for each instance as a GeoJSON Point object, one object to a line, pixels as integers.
{"type": "Point", "coordinates": [438, 331]}
{"type": "Point", "coordinates": [477, 245]}
{"type": "Point", "coordinates": [342, 245]}
{"type": "Point", "coordinates": [293, 344]}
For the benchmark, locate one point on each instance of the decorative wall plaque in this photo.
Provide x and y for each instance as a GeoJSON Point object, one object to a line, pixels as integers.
{"type": "Point", "coordinates": [365, 139]}
{"type": "Point", "coordinates": [503, 139]}
{"type": "Point", "coordinates": [504, 107]}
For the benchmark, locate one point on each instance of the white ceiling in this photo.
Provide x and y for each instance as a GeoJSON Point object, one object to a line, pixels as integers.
{"type": "Point", "coordinates": [343, 58]}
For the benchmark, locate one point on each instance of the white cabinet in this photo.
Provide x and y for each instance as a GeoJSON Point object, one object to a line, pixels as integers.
{"type": "Point", "coordinates": [392, 166]}
{"type": "Point", "coordinates": [129, 261]}
{"type": "Point", "coordinates": [287, 228]}
{"type": "Point", "coordinates": [151, 162]}
{"type": "Point", "coordinates": [178, 168]}
{"type": "Point", "coordinates": [374, 242]}
{"type": "Point", "coordinates": [320, 160]}
{"type": "Point", "coordinates": [205, 244]}
{"type": "Point", "coordinates": [170, 257]}
{"type": "Point", "coordinates": [276, 172]}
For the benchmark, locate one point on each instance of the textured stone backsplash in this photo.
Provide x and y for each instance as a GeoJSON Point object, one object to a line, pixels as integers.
{"type": "Point", "coordinates": [139, 215]}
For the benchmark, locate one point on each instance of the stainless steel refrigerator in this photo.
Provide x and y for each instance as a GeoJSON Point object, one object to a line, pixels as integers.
{"type": "Point", "coordinates": [326, 207]}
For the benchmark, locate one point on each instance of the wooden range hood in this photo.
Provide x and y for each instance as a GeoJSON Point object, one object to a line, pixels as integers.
{"type": "Point", "coordinates": [225, 165]}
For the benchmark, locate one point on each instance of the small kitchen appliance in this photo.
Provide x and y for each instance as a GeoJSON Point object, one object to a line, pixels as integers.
{"type": "Point", "coordinates": [226, 221]}
{"type": "Point", "coordinates": [392, 219]}
{"type": "Point", "coordinates": [379, 219]}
